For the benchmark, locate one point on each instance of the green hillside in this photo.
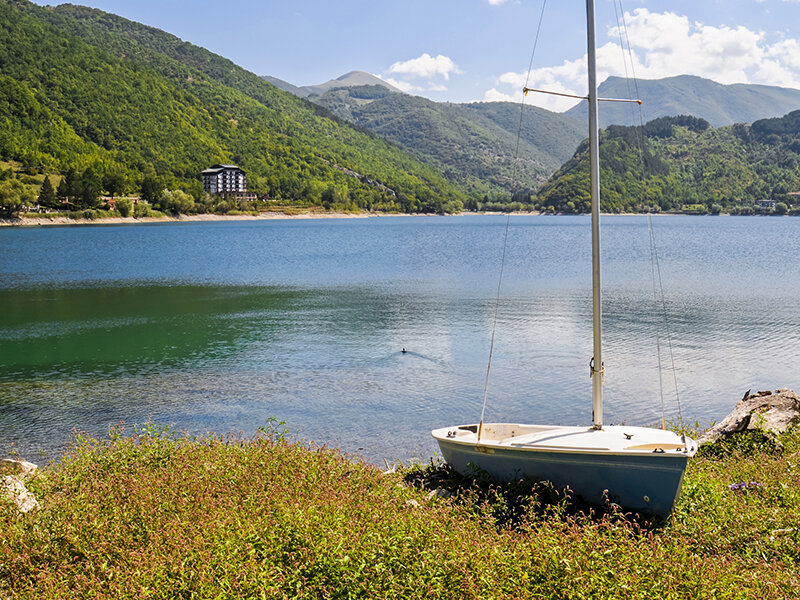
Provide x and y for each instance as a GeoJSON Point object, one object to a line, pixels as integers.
{"type": "Point", "coordinates": [472, 144]}
{"type": "Point", "coordinates": [86, 89]}
{"type": "Point", "coordinates": [688, 166]}
{"type": "Point", "coordinates": [689, 95]}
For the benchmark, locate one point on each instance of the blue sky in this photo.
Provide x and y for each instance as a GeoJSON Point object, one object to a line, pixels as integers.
{"type": "Point", "coordinates": [473, 50]}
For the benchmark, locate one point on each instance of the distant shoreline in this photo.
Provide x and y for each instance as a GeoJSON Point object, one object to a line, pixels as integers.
{"type": "Point", "coordinates": [61, 220]}
{"type": "Point", "coordinates": [275, 215]}
{"type": "Point", "coordinates": [265, 216]}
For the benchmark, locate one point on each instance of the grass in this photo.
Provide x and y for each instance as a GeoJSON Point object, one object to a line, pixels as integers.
{"type": "Point", "coordinates": [157, 515]}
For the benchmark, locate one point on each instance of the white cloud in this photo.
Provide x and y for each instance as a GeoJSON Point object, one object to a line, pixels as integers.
{"type": "Point", "coordinates": [668, 44]}
{"type": "Point", "coordinates": [493, 95]}
{"type": "Point", "coordinates": [567, 78]}
{"type": "Point", "coordinates": [497, 2]}
{"type": "Point", "coordinates": [664, 45]}
{"type": "Point", "coordinates": [786, 52]}
{"type": "Point", "coordinates": [426, 66]}
{"type": "Point", "coordinates": [403, 86]}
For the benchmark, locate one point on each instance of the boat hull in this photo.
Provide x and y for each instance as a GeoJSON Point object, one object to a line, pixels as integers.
{"type": "Point", "coordinates": [643, 481]}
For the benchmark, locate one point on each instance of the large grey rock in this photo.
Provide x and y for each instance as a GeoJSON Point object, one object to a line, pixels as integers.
{"type": "Point", "coordinates": [13, 474]}
{"type": "Point", "coordinates": [770, 412]}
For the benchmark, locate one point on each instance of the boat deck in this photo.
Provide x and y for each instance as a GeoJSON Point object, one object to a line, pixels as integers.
{"type": "Point", "coordinates": [612, 439]}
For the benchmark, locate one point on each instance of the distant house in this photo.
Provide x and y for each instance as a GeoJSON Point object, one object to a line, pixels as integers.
{"type": "Point", "coordinates": [765, 204]}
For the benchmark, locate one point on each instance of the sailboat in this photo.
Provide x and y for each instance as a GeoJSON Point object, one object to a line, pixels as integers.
{"type": "Point", "coordinates": [638, 468]}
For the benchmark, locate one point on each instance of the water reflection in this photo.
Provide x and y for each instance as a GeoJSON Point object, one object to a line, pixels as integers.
{"type": "Point", "coordinates": [306, 324]}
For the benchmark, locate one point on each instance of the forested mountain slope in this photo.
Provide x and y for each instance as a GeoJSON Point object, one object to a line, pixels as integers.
{"type": "Point", "coordinates": [474, 144]}
{"type": "Point", "coordinates": [83, 88]}
{"type": "Point", "coordinates": [689, 95]}
{"type": "Point", "coordinates": [688, 165]}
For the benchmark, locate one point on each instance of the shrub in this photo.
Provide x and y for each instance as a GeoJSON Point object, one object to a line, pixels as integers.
{"type": "Point", "coordinates": [156, 514]}
{"type": "Point", "coordinates": [176, 201]}
{"type": "Point", "coordinates": [142, 209]}
{"type": "Point", "coordinates": [125, 207]}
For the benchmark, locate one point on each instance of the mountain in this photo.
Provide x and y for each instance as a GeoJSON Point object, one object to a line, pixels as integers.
{"type": "Point", "coordinates": [689, 95]}
{"type": "Point", "coordinates": [285, 86]}
{"type": "Point", "coordinates": [86, 90]}
{"type": "Point", "coordinates": [348, 80]}
{"type": "Point", "coordinates": [472, 144]}
{"type": "Point", "coordinates": [351, 79]}
{"type": "Point", "coordinates": [688, 166]}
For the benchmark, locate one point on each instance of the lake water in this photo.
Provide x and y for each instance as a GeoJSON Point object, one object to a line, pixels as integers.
{"type": "Point", "coordinates": [221, 326]}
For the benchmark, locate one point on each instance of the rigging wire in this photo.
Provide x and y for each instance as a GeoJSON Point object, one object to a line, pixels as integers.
{"type": "Point", "coordinates": [664, 315]}
{"type": "Point", "coordinates": [655, 267]}
{"type": "Point", "coordinates": [522, 104]}
{"type": "Point", "coordinates": [623, 46]}
{"type": "Point", "coordinates": [508, 223]}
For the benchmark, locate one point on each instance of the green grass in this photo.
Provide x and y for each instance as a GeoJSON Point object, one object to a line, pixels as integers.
{"type": "Point", "coordinates": [156, 515]}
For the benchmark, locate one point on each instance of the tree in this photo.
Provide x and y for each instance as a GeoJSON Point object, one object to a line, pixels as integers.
{"type": "Point", "coordinates": [62, 193]}
{"type": "Point", "coordinates": [47, 195]}
{"type": "Point", "coordinates": [13, 195]}
{"type": "Point", "coordinates": [125, 207]}
{"type": "Point", "coordinates": [334, 195]}
{"type": "Point", "coordinates": [66, 188]}
{"type": "Point", "coordinates": [523, 197]}
{"type": "Point", "coordinates": [176, 201]}
{"type": "Point", "coordinates": [89, 188]}
{"type": "Point", "coordinates": [781, 208]}
{"type": "Point", "coordinates": [151, 189]}
{"type": "Point", "coordinates": [114, 183]}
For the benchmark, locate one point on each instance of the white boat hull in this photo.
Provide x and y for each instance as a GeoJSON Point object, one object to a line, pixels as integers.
{"type": "Point", "coordinates": [638, 468]}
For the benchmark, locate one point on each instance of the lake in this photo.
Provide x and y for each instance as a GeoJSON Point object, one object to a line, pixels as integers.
{"type": "Point", "coordinates": [221, 326]}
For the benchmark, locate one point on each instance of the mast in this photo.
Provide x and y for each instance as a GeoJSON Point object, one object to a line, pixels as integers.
{"type": "Point", "coordinates": [594, 169]}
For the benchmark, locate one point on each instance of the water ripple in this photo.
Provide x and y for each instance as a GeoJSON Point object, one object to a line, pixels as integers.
{"type": "Point", "coordinates": [307, 322]}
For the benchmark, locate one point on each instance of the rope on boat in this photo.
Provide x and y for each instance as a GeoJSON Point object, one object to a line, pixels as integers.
{"type": "Point", "coordinates": [655, 267]}
{"type": "Point", "coordinates": [508, 223]}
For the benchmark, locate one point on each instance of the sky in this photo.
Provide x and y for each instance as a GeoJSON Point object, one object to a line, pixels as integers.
{"type": "Point", "coordinates": [479, 50]}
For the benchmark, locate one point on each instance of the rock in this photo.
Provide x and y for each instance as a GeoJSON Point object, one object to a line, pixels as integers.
{"type": "Point", "coordinates": [13, 487]}
{"type": "Point", "coordinates": [13, 474]}
{"type": "Point", "coordinates": [20, 468]}
{"type": "Point", "coordinates": [438, 493]}
{"type": "Point", "coordinates": [767, 411]}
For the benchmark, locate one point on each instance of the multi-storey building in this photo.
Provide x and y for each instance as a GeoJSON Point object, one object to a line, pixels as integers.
{"type": "Point", "coordinates": [224, 180]}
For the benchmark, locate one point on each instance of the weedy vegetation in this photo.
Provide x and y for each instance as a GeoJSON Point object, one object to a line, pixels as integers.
{"type": "Point", "coordinates": [154, 514]}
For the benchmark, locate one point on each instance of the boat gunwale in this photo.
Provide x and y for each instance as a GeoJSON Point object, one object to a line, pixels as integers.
{"type": "Point", "coordinates": [576, 450]}
{"type": "Point", "coordinates": [440, 435]}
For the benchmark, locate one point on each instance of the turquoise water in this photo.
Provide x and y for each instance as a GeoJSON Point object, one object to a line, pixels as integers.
{"type": "Point", "coordinates": [220, 326]}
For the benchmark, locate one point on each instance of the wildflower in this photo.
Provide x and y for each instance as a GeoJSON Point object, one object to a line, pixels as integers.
{"type": "Point", "coordinates": [744, 486]}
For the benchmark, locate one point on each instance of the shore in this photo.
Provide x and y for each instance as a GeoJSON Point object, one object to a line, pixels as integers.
{"type": "Point", "coordinates": [273, 215]}
{"type": "Point", "coordinates": [264, 216]}
{"type": "Point", "coordinates": [158, 515]}
{"type": "Point", "coordinates": [61, 220]}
